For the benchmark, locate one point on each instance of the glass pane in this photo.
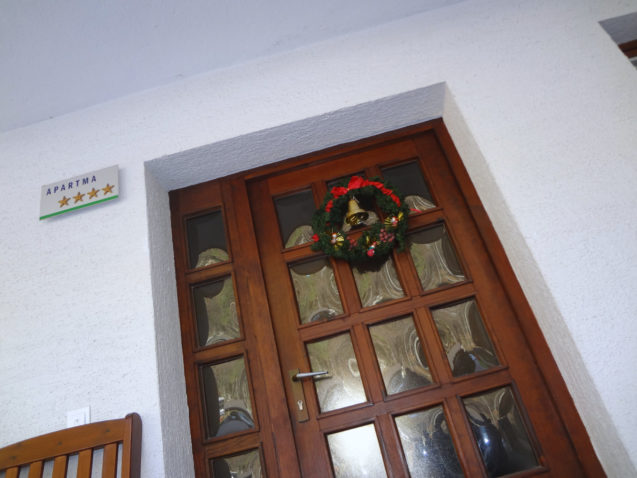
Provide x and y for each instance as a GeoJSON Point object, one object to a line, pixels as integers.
{"type": "Point", "coordinates": [342, 386]}
{"type": "Point", "coordinates": [356, 453]}
{"type": "Point", "coordinates": [227, 398]}
{"type": "Point", "coordinates": [316, 291]}
{"type": "Point", "coordinates": [216, 312]}
{"type": "Point", "coordinates": [206, 240]}
{"type": "Point", "coordinates": [464, 338]}
{"type": "Point", "coordinates": [243, 465]}
{"type": "Point", "coordinates": [295, 217]}
{"type": "Point", "coordinates": [408, 179]}
{"type": "Point", "coordinates": [377, 282]}
{"type": "Point", "coordinates": [435, 260]}
{"type": "Point", "coordinates": [500, 432]}
{"type": "Point", "coordinates": [400, 356]}
{"type": "Point", "coordinates": [427, 444]}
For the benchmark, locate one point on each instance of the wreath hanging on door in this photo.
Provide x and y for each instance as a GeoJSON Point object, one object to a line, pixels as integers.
{"type": "Point", "coordinates": [341, 206]}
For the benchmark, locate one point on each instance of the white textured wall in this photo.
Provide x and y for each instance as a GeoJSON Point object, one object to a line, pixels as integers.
{"type": "Point", "coordinates": [542, 107]}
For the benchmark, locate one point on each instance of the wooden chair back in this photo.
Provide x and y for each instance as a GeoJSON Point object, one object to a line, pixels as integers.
{"type": "Point", "coordinates": [83, 441]}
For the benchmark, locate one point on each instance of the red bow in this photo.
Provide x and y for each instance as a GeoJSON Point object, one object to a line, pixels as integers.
{"type": "Point", "coordinates": [338, 191]}
{"type": "Point", "coordinates": [356, 182]}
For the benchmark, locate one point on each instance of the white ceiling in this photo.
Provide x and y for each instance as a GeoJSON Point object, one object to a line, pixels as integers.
{"type": "Point", "coordinates": [60, 56]}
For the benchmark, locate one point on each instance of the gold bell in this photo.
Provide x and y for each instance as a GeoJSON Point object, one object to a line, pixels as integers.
{"type": "Point", "coordinates": [355, 214]}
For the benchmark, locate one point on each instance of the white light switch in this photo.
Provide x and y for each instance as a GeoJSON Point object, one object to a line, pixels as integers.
{"type": "Point", "coordinates": [81, 416]}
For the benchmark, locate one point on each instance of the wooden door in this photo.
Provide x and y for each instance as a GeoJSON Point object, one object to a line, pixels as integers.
{"type": "Point", "coordinates": [429, 372]}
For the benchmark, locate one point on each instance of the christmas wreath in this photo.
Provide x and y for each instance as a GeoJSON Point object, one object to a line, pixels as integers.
{"type": "Point", "coordinates": [378, 240]}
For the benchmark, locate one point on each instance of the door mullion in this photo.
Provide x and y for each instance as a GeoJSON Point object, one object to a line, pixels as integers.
{"type": "Point", "coordinates": [463, 438]}
{"type": "Point", "coordinates": [347, 286]}
{"type": "Point", "coordinates": [394, 457]}
{"type": "Point", "coordinates": [371, 377]}
{"type": "Point", "coordinates": [279, 447]}
{"type": "Point", "coordinates": [433, 348]}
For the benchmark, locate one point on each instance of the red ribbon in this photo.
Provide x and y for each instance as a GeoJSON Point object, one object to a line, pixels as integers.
{"type": "Point", "coordinates": [356, 182]}
{"type": "Point", "coordinates": [338, 192]}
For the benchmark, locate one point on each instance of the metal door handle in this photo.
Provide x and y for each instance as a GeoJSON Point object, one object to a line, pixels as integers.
{"type": "Point", "coordinates": [297, 392]}
{"type": "Point", "coordinates": [301, 375]}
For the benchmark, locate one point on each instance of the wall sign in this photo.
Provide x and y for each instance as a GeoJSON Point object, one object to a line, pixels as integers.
{"type": "Point", "coordinates": [80, 191]}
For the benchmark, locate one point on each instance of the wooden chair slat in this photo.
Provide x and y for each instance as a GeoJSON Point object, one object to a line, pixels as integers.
{"type": "Point", "coordinates": [60, 464]}
{"type": "Point", "coordinates": [84, 463]}
{"type": "Point", "coordinates": [35, 469]}
{"type": "Point", "coordinates": [12, 472]}
{"type": "Point", "coordinates": [109, 465]}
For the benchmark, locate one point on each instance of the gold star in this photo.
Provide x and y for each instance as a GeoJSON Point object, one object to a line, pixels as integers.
{"type": "Point", "coordinates": [108, 189]}
{"type": "Point", "coordinates": [64, 201]}
{"type": "Point", "coordinates": [93, 193]}
{"type": "Point", "coordinates": [78, 197]}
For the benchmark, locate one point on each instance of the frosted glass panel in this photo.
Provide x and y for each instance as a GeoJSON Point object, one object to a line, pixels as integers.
{"type": "Point", "coordinates": [316, 291]}
{"type": "Point", "coordinates": [216, 312]}
{"type": "Point", "coordinates": [427, 444]}
{"type": "Point", "coordinates": [342, 386]}
{"type": "Point", "coordinates": [377, 282]}
{"type": "Point", "coordinates": [206, 240]}
{"type": "Point", "coordinates": [408, 179]}
{"type": "Point", "coordinates": [500, 433]}
{"type": "Point", "coordinates": [464, 338]}
{"type": "Point", "coordinates": [400, 357]}
{"type": "Point", "coordinates": [242, 465]}
{"type": "Point", "coordinates": [356, 453]}
{"type": "Point", "coordinates": [295, 217]}
{"type": "Point", "coordinates": [227, 398]}
{"type": "Point", "coordinates": [434, 258]}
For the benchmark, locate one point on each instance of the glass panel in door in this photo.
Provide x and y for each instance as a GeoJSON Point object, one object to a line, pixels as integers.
{"type": "Point", "coordinates": [317, 296]}
{"type": "Point", "coordinates": [428, 445]}
{"type": "Point", "coordinates": [400, 355]}
{"type": "Point", "coordinates": [241, 465]}
{"type": "Point", "coordinates": [216, 312]}
{"type": "Point", "coordinates": [341, 386]}
{"type": "Point", "coordinates": [295, 212]}
{"type": "Point", "coordinates": [500, 433]}
{"type": "Point", "coordinates": [356, 453]}
{"type": "Point", "coordinates": [434, 258]}
{"type": "Point", "coordinates": [408, 179]}
{"type": "Point", "coordinates": [377, 282]}
{"type": "Point", "coordinates": [228, 405]}
{"type": "Point", "coordinates": [206, 240]}
{"type": "Point", "coordinates": [464, 338]}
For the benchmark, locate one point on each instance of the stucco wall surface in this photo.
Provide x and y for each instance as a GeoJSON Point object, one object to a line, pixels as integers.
{"type": "Point", "coordinates": [542, 107]}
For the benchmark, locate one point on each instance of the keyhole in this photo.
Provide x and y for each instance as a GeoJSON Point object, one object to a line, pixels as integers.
{"type": "Point", "coordinates": [300, 404]}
